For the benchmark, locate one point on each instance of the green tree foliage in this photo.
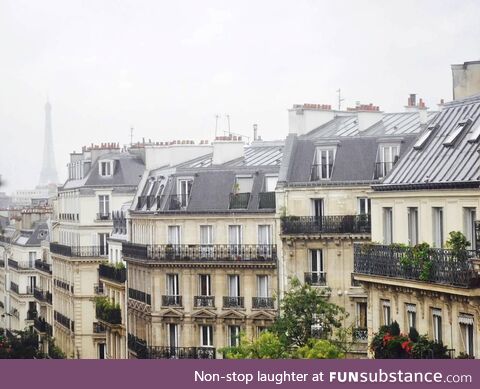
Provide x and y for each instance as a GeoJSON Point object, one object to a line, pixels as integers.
{"type": "Point", "coordinates": [266, 346]}
{"type": "Point", "coordinates": [459, 244]}
{"type": "Point", "coordinates": [319, 349]}
{"type": "Point", "coordinates": [18, 345]}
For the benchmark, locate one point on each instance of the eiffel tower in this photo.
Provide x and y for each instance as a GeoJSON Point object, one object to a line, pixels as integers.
{"type": "Point", "coordinates": [48, 175]}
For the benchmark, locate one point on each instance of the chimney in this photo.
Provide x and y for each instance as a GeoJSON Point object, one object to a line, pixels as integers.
{"type": "Point", "coordinates": [466, 79]}
{"type": "Point", "coordinates": [254, 132]}
{"type": "Point", "coordinates": [226, 149]}
{"type": "Point", "coordinates": [173, 153]}
{"type": "Point", "coordinates": [421, 108]}
{"type": "Point", "coordinates": [367, 115]}
{"type": "Point", "coordinates": [303, 118]}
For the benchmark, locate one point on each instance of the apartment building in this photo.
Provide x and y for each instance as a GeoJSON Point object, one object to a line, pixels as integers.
{"type": "Point", "coordinates": [101, 179]}
{"type": "Point", "coordinates": [202, 254]}
{"type": "Point", "coordinates": [432, 191]}
{"type": "Point", "coordinates": [323, 195]}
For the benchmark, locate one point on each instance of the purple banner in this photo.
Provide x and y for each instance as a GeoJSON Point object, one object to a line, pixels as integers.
{"type": "Point", "coordinates": [133, 374]}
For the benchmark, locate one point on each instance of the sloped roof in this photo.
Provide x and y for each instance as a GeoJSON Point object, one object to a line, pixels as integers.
{"type": "Point", "coordinates": [438, 166]}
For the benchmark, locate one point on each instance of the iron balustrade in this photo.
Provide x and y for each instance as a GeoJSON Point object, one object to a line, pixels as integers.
{"type": "Point", "coordinates": [195, 252]}
{"type": "Point", "coordinates": [382, 169]}
{"type": "Point", "coordinates": [63, 285]}
{"type": "Point", "coordinates": [431, 354]}
{"type": "Point", "coordinates": [266, 200]}
{"type": "Point", "coordinates": [440, 266]}
{"type": "Point", "coordinates": [78, 251]}
{"type": "Point", "coordinates": [103, 216]}
{"type": "Point", "coordinates": [14, 287]}
{"type": "Point", "coordinates": [42, 296]}
{"type": "Point", "coordinates": [71, 217]}
{"type": "Point", "coordinates": [98, 328]}
{"type": "Point", "coordinates": [360, 334]}
{"type": "Point", "coordinates": [239, 200]}
{"type": "Point", "coordinates": [263, 302]}
{"type": "Point", "coordinates": [204, 301]}
{"type": "Point", "coordinates": [140, 296]}
{"type": "Point", "coordinates": [20, 265]}
{"type": "Point", "coordinates": [43, 266]}
{"type": "Point", "coordinates": [171, 301]}
{"type": "Point", "coordinates": [233, 302]}
{"type": "Point", "coordinates": [137, 345]}
{"type": "Point", "coordinates": [316, 278]}
{"type": "Point", "coordinates": [109, 314]}
{"type": "Point", "coordinates": [166, 352]}
{"type": "Point", "coordinates": [111, 273]}
{"type": "Point", "coordinates": [42, 326]}
{"type": "Point", "coordinates": [335, 224]}
{"type": "Point", "coordinates": [64, 321]}
{"type": "Point", "coordinates": [321, 171]}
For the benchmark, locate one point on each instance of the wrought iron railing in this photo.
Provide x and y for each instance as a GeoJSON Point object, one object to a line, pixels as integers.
{"type": "Point", "coordinates": [98, 328]}
{"type": "Point", "coordinates": [214, 252]}
{"type": "Point", "coordinates": [360, 334]}
{"type": "Point", "coordinates": [43, 296]}
{"type": "Point", "coordinates": [70, 217]}
{"type": "Point", "coordinates": [233, 302]}
{"type": "Point", "coordinates": [42, 326]}
{"type": "Point", "coordinates": [335, 224]}
{"type": "Point", "coordinates": [140, 296]}
{"type": "Point", "coordinates": [437, 266]}
{"type": "Point", "coordinates": [103, 216]}
{"type": "Point", "coordinates": [137, 345]}
{"type": "Point", "coordinates": [239, 200]}
{"type": "Point", "coordinates": [263, 302]}
{"type": "Point", "coordinates": [266, 200]}
{"type": "Point", "coordinates": [64, 321]}
{"type": "Point", "coordinates": [166, 352]}
{"type": "Point", "coordinates": [109, 313]}
{"type": "Point", "coordinates": [20, 265]}
{"type": "Point", "coordinates": [63, 285]}
{"type": "Point", "coordinates": [204, 301]}
{"type": "Point", "coordinates": [316, 278]}
{"type": "Point", "coordinates": [112, 273]}
{"type": "Point", "coordinates": [43, 266]}
{"type": "Point", "coordinates": [78, 251]}
{"type": "Point", "coordinates": [171, 301]}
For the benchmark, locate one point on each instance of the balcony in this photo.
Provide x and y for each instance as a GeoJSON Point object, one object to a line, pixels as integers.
{"type": "Point", "coordinates": [239, 200]}
{"type": "Point", "coordinates": [25, 265]}
{"type": "Point", "coordinates": [42, 296]}
{"type": "Point", "coordinates": [139, 296]}
{"type": "Point", "coordinates": [119, 223]}
{"type": "Point", "coordinates": [31, 315]}
{"type": "Point", "coordinates": [266, 200]}
{"type": "Point", "coordinates": [233, 302]}
{"type": "Point", "coordinates": [103, 216]}
{"type": "Point", "coordinates": [201, 253]}
{"type": "Point", "coordinates": [78, 251]}
{"type": "Point", "coordinates": [316, 278]}
{"type": "Point", "coordinates": [263, 302]}
{"type": "Point", "coordinates": [109, 313]}
{"type": "Point", "coordinates": [64, 321]}
{"type": "Point", "coordinates": [344, 224]}
{"type": "Point", "coordinates": [137, 345]}
{"type": "Point", "coordinates": [360, 334]}
{"type": "Point", "coordinates": [171, 301]}
{"type": "Point", "coordinates": [204, 301]}
{"type": "Point", "coordinates": [113, 274]}
{"type": "Point", "coordinates": [42, 327]}
{"type": "Point", "coordinates": [398, 262]}
{"type": "Point", "coordinates": [63, 285]}
{"type": "Point", "coordinates": [43, 266]}
{"type": "Point", "coordinates": [69, 217]}
{"type": "Point", "coordinates": [382, 169]}
{"type": "Point", "coordinates": [98, 328]}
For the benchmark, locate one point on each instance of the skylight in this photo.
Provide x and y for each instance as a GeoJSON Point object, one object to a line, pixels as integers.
{"type": "Point", "coordinates": [422, 141]}
{"type": "Point", "coordinates": [475, 133]}
{"type": "Point", "coordinates": [457, 131]}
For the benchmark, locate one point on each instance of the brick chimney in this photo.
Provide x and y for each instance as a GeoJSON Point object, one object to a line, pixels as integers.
{"type": "Point", "coordinates": [367, 115]}
{"type": "Point", "coordinates": [227, 148]}
{"type": "Point", "coordinates": [303, 118]}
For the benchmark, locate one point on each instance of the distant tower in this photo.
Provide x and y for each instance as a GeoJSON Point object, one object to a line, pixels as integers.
{"type": "Point", "coordinates": [48, 175]}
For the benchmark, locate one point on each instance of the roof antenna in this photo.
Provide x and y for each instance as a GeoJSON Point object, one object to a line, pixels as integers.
{"type": "Point", "coordinates": [339, 99]}
{"type": "Point", "coordinates": [216, 125]}
{"type": "Point", "coordinates": [131, 136]}
{"type": "Point", "coordinates": [228, 121]}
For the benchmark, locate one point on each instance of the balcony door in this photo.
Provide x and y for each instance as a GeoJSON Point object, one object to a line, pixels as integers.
{"type": "Point", "coordinates": [235, 239]}
{"type": "Point", "coordinates": [173, 336]}
{"type": "Point", "coordinates": [317, 266]}
{"type": "Point", "coordinates": [205, 285]}
{"type": "Point", "coordinates": [262, 286]}
{"type": "Point", "coordinates": [103, 244]}
{"type": "Point", "coordinates": [103, 206]}
{"type": "Point", "coordinates": [234, 285]}
{"type": "Point", "coordinates": [206, 241]}
{"type": "Point", "coordinates": [265, 240]}
{"type": "Point", "coordinates": [173, 286]}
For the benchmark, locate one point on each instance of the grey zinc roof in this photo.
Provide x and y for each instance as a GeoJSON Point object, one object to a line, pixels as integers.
{"type": "Point", "coordinates": [436, 165]}
{"type": "Point", "coordinates": [33, 237]}
{"type": "Point", "coordinates": [127, 172]}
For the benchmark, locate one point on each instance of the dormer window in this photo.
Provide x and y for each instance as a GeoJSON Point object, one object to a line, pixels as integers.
{"type": "Point", "coordinates": [457, 132]}
{"type": "Point", "coordinates": [322, 167]}
{"type": "Point", "coordinates": [423, 139]}
{"type": "Point", "coordinates": [387, 157]}
{"type": "Point", "coordinates": [105, 168]}
{"type": "Point", "coordinates": [475, 133]}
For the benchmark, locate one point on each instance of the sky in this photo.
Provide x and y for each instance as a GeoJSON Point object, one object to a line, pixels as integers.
{"type": "Point", "coordinates": [167, 68]}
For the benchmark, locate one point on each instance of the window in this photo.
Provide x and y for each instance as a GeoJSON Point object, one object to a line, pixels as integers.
{"type": "Point", "coordinates": [205, 286]}
{"type": "Point", "coordinates": [243, 184]}
{"type": "Point", "coordinates": [262, 286]}
{"type": "Point", "coordinates": [270, 183]}
{"type": "Point", "coordinates": [475, 133]}
{"type": "Point", "coordinates": [103, 244]}
{"type": "Point", "coordinates": [174, 235]}
{"type": "Point", "coordinates": [235, 238]}
{"type": "Point", "coordinates": [466, 333]}
{"type": "Point", "coordinates": [260, 330]}
{"type": "Point", "coordinates": [361, 315]}
{"type": "Point", "coordinates": [233, 285]}
{"type": "Point", "coordinates": [424, 137]}
{"type": "Point", "coordinates": [265, 234]}
{"type": "Point", "coordinates": [364, 206]}
{"type": "Point", "coordinates": [411, 316]}
{"type": "Point", "coordinates": [206, 336]}
{"type": "Point", "coordinates": [318, 276]}
{"type": "Point", "coordinates": [388, 156]}
{"type": "Point", "coordinates": [456, 132]}
{"type": "Point", "coordinates": [413, 226]}
{"type": "Point", "coordinates": [173, 336]}
{"type": "Point", "coordinates": [317, 208]}
{"type": "Point", "coordinates": [31, 258]}
{"type": "Point", "coordinates": [32, 282]}
{"type": "Point", "coordinates": [469, 217]}
{"type": "Point", "coordinates": [387, 225]}
{"type": "Point", "coordinates": [105, 168]}
{"type": "Point", "coordinates": [385, 314]}
{"type": "Point", "coordinates": [437, 324]}
{"type": "Point", "coordinates": [172, 285]}
{"type": "Point", "coordinates": [206, 241]}
{"type": "Point", "coordinates": [184, 191]}
{"type": "Point", "coordinates": [323, 164]}
{"type": "Point", "coordinates": [233, 336]}
{"type": "Point", "coordinates": [437, 219]}
{"type": "Point", "coordinates": [104, 206]}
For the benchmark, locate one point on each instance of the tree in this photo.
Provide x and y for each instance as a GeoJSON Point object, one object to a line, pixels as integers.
{"type": "Point", "coordinates": [319, 349]}
{"type": "Point", "coordinates": [18, 345]}
{"type": "Point", "coordinates": [306, 314]}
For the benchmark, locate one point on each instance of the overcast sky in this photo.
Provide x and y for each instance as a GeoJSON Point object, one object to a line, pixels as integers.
{"type": "Point", "coordinates": [168, 67]}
